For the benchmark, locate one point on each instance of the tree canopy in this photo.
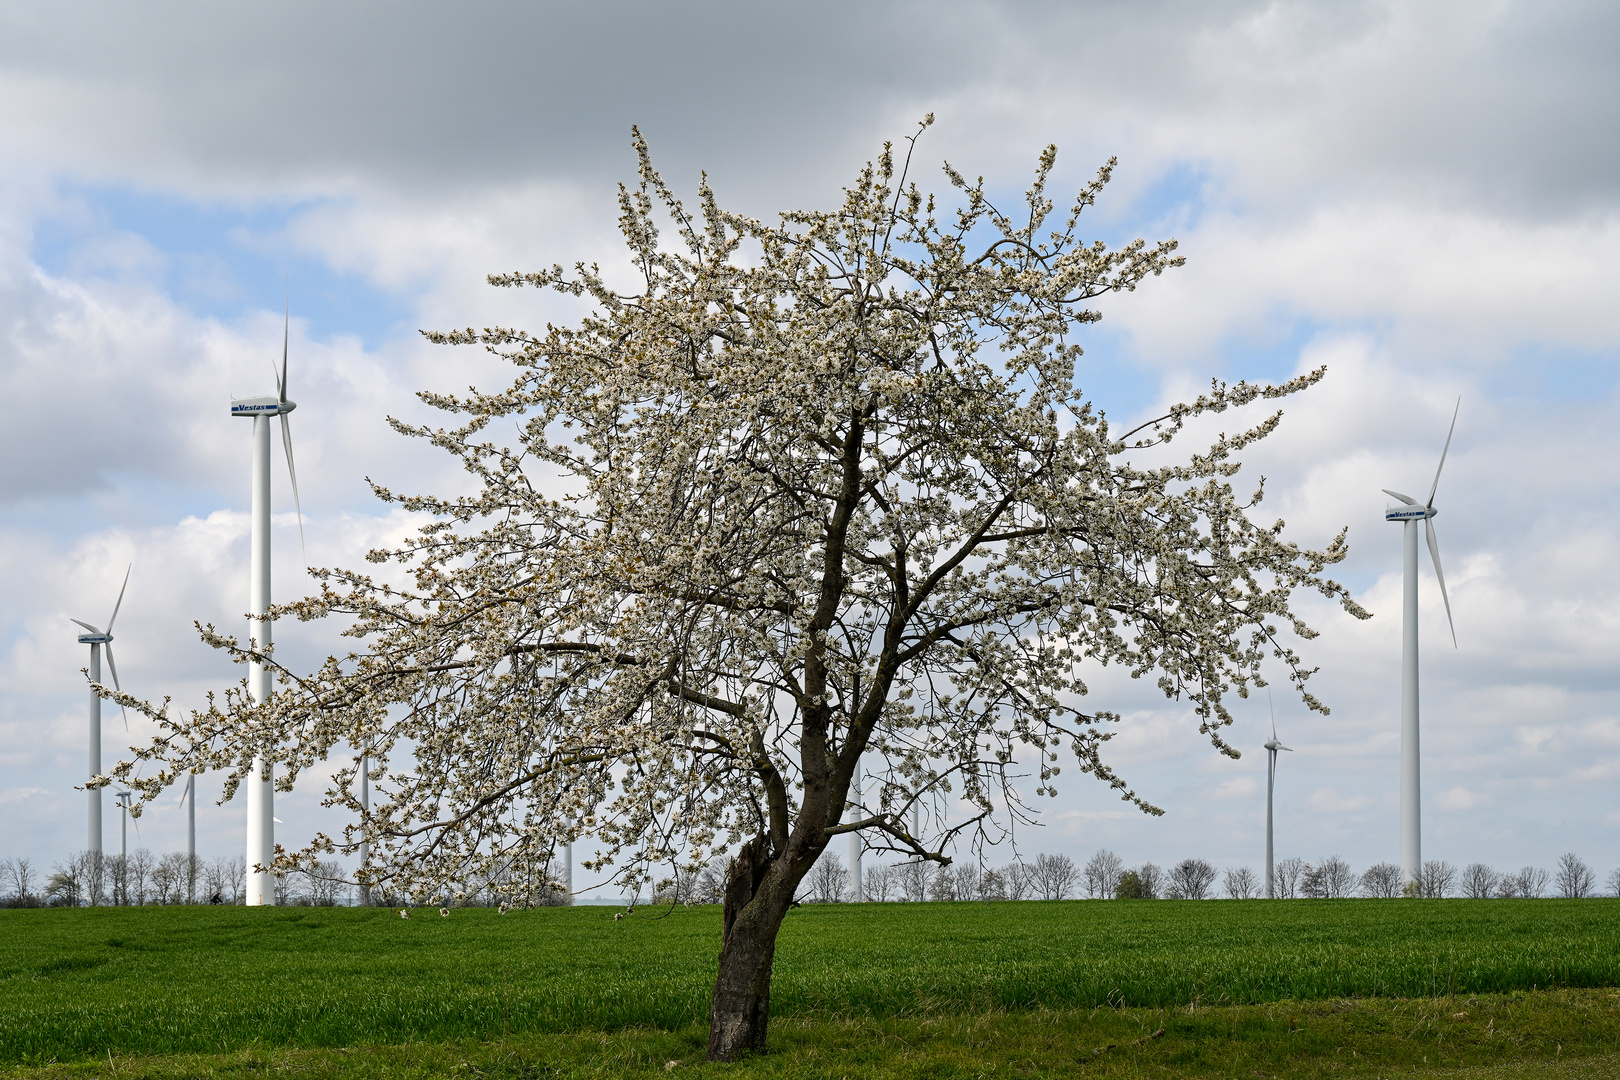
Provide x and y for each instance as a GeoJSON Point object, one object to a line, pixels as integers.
{"type": "Point", "coordinates": [815, 493]}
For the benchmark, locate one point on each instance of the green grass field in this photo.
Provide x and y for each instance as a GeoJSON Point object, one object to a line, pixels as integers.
{"type": "Point", "coordinates": [80, 984]}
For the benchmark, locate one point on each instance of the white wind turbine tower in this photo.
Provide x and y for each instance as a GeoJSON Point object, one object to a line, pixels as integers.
{"type": "Point", "coordinates": [1409, 514]}
{"type": "Point", "coordinates": [1272, 746]}
{"type": "Point", "coordinates": [96, 639]}
{"type": "Point", "coordinates": [261, 831]}
{"type": "Point", "coordinates": [122, 885]}
{"type": "Point", "coordinates": [191, 837]}
{"type": "Point", "coordinates": [856, 812]}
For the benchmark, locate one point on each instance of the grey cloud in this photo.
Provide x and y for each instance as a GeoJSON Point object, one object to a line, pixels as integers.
{"type": "Point", "coordinates": [1508, 103]}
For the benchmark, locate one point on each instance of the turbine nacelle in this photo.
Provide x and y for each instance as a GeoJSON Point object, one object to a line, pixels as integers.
{"type": "Point", "coordinates": [1273, 745]}
{"type": "Point", "coordinates": [1409, 513]}
{"type": "Point", "coordinates": [98, 636]}
{"type": "Point", "coordinates": [261, 406]}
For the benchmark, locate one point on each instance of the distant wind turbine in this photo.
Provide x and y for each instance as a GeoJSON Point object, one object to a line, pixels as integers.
{"type": "Point", "coordinates": [1409, 514]}
{"type": "Point", "coordinates": [97, 639]}
{"type": "Point", "coordinates": [261, 832]}
{"type": "Point", "coordinates": [191, 836]}
{"type": "Point", "coordinates": [856, 892]}
{"type": "Point", "coordinates": [1272, 746]}
{"type": "Point", "coordinates": [365, 823]}
{"type": "Point", "coordinates": [123, 846]}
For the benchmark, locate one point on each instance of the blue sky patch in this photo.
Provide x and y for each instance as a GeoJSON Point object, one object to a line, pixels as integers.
{"type": "Point", "coordinates": [220, 260]}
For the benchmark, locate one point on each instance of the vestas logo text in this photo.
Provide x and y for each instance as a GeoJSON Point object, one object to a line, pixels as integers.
{"type": "Point", "coordinates": [1406, 513]}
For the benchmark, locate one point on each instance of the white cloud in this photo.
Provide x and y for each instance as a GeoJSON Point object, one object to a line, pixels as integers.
{"type": "Point", "coordinates": [1534, 738]}
{"type": "Point", "coordinates": [1331, 801]}
{"type": "Point", "coordinates": [1458, 798]}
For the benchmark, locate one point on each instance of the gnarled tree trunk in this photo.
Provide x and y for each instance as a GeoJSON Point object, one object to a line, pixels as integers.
{"type": "Point", "coordinates": [759, 891]}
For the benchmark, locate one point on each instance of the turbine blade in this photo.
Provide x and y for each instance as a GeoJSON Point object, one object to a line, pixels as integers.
{"type": "Point", "coordinates": [114, 669]}
{"type": "Point", "coordinates": [1407, 499]}
{"type": "Point", "coordinates": [281, 383]}
{"type": "Point", "coordinates": [1290, 749]}
{"type": "Point", "coordinates": [1434, 553]}
{"type": "Point", "coordinates": [1443, 454]}
{"type": "Point", "coordinates": [86, 625]}
{"type": "Point", "coordinates": [120, 603]}
{"type": "Point", "coordinates": [292, 474]}
{"type": "Point", "coordinates": [1272, 707]}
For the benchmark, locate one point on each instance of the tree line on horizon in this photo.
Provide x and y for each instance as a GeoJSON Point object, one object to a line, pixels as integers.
{"type": "Point", "coordinates": [142, 878]}
{"type": "Point", "coordinates": [1105, 876]}
{"type": "Point", "coordinates": [84, 879]}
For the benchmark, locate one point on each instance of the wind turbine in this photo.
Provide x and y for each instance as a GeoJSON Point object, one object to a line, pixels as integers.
{"type": "Point", "coordinates": [261, 831]}
{"type": "Point", "coordinates": [1272, 746]}
{"type": "Point", "coordinates": [365, 821]}
{"type": "Point", "coordinates": [1409, 513]}
{"type": "Point", "coordinates": [96, 639]}
{"type": "Point", "coordinates": [191, 837]}
{"type": "Point", "coordinates": [856, 894]}
{"type": "Point", "coordinates": [123, 845]}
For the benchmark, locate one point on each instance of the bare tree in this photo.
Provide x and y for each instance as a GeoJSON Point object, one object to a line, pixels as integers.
{"type": "Point", "coordinates": [214, 881]}
{"type": "Point", "coordinates": [967, 880]}
{"type": "Point", "coordinates": [1436, 879]}
{"type": "Point", "coordinates": [942, 886]}
{"type": "Point", "coordinates": [139, 874]}
{"type": "Point", "coordinates": [1479, 882]}
{"type": "Point", "coordinates": [1331, 879]}
{"type": "Point", "coordinates": [1190, 879]}
{"type": "Point", "coordinates": [711, 882]}
{"type": "Point", "coordinates": [19, 877]}
{"type": "Point", "coordinates": [1152, 881]}
{"type": "Point", "coordinates": [1527, 884]}
{"type": "Point", "coordinates": [1575, 879]}
{"type": "Point", "coordinates": [1017, 879]}
{"type": "Point", "coordinates": [1382, 881]}
{"type": "Point", "coordinates": [324, 882]}
{"type": "Point", "coordinates": [233, 878]}
{"type": "Point", "coordinates": [992, 886]}
{"type": "Point", "coordinates": [169, 878]}
{"type": "Point", "coordinates": [1053, 877]}
{"type": "Point", "coordinates": [1614, 882]}
{"type": "Point", "coordinates": [880, 882]}
{"type": "Point", "coordinates": [1289, 871]}
{"type": "Point", "coordinates": [828, 880]}
{"type": "Point", "coordinates": [919, 878]}
{"type": "Point", "coordinates": [1241, 883]}
{"type": "Point", "coordinates": [283, 883]}
{"type": "Point", "coordinates": [1101, 876]}
{"type": "Point", "coordinates": [1341, 880]}
{"type": "Point", "coordinates": [116, 869]}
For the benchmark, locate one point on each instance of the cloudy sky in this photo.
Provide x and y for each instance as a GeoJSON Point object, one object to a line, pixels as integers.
{"type": "Point", "coordinates": [1425, 198]}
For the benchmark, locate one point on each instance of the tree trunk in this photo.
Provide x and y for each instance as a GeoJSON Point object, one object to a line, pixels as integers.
{"type": "Point", "coordinates": [758, 894]}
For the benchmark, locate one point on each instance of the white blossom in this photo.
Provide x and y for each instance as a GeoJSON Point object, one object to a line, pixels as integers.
{"type": "Point", "coordinates": [816, 490]}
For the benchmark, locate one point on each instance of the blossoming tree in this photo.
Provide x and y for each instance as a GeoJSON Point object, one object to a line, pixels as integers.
{"type": "Point", "coordinates": [815, 494]}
